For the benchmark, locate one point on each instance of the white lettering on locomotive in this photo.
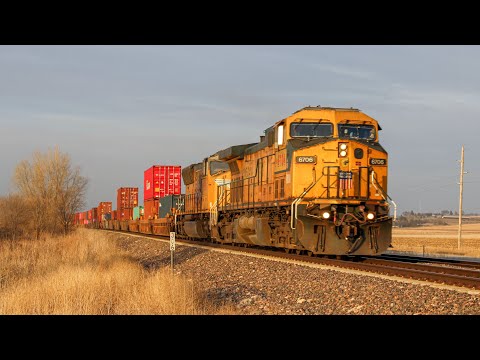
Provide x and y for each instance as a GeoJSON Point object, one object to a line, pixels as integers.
{"type": "Point", "coordinates": [378, 161]}
{"type": "Point", "coordinates": [306, 159]}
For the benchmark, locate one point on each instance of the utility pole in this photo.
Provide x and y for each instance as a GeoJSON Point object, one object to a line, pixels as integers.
{"type": "Point", "coordinates": [460, 203]}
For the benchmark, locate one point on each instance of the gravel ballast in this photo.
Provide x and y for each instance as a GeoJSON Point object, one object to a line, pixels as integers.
{"type": "Point", "coordinates": [262, 286]}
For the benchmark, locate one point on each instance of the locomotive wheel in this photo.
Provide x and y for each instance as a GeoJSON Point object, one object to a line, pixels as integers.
{"type": "Point", "coordinates": [298, 252]}
{"type": "Point", "coordinates": [310, 253]}
{"type": "Point", "coordinates": [287, 250]}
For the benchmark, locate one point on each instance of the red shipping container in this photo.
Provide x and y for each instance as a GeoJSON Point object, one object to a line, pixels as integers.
{"type": "Point", "coordinates": [125, 214]}
{"type": "Point", "coordinates": [94, 214]}
{"type": "Point", "coordinates": [103, 208]}
{"type": "Point", "coordinates": [127, 198]}
{"type": "Point", "coordinates": [150, 208]}
{"type": "Point", "coordinates": [114, 214]}
{"type": "Point", "coordinates": [161, 180]}
{"type": "Point", "coordinates": [89, 214]}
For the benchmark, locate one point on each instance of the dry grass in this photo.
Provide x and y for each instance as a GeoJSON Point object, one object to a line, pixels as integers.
{"type": "Point", "coordinates": [439, 240]}
{"type": "Point", "coordinates": [85, 273]}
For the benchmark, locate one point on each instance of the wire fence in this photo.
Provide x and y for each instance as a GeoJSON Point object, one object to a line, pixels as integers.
{"type": "Point", "coordinates": [468, 247]}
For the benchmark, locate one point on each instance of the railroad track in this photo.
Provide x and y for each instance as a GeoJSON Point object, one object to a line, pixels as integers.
{"type": "Point", "coordinates": [430, 260]}
{"type": "Point", "coordinates": [465, 274]}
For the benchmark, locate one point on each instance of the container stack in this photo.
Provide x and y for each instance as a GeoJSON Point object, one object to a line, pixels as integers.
{"type": "Point", "coordinates": [159, 181]}
{"type": "Point", "coordinates": [94, 215]}
{"type": "Point", "coordinates": [104, 208]}
{"type": "Point", "coordinates": [127, 199]}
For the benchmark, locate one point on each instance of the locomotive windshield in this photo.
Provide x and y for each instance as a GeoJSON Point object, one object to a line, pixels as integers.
{"type": "Point", "coordinates": [311, 130]}
{"type": "Point", "coordinates": [365, 132]}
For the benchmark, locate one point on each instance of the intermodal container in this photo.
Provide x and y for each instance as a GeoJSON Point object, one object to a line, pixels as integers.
{"type": "Point", "coordinates": [125, 214]}
{"type": "Point", "coordinates": [104, 208]}
{"type": "Point", "coordinates": [94, 215]}
{"type": "Point", "coordinates": [161, 180]}
{"type": "Point", "coordinates": [114, 215]}
{"type": "Point", "coordinates": [138, 212]}
{"type": "Point", "coordinates": [127, 198]}
{"type": "Point", "coordinates": [167, 203]}
{"type": "Point", "coordinates": [150, 209]}
{"type": "Point", "coordinates": [89, 215]}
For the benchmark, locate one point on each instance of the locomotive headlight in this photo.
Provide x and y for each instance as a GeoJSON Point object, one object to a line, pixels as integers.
{"type": "Point", "coordinates": [342, 149]}
{"type": "Point", "coordinates": [343, 153]}
{"type": "Point", "coordinates": [326, 215]}
{"type": "Point", "coordinates": [343, 146]}
{"type": "Point", "coordinates": [370, 216]}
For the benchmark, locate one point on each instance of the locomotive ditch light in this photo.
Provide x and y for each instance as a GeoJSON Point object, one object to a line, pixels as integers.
{"type": "Point", "coordinates": [370, 216]}
{"type": "Point", "coordinates": [326, 215]}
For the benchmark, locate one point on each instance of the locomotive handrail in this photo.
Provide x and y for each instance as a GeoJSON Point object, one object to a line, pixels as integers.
{"type": "Point", "coordinates": [297, 200]}
{"type": "Point", "coordinates": [180, 204]}
{"type": "Point", "coordinates": [384, 195]}
{"type": "Point", "coordinates": [214, 208]}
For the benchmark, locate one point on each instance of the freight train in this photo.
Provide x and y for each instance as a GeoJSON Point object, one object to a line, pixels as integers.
{"type": "Point", "coordinates": [315, 183]}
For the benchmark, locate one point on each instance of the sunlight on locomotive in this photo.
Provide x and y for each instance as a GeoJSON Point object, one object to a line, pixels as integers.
{"type": "Point", "coordinates": [316, 182]}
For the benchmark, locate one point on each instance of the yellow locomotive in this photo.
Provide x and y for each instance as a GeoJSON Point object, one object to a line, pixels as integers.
{"type": "Point", "coordinates": [315, 183]}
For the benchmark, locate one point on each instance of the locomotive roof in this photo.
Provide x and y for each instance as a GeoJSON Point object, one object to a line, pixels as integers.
{"type": "Point", "coordinates": [322, 108]}
{"type": "Point", "coordinates": [233, 151]}
{"type": "Point", "coordinates": [319, 107]}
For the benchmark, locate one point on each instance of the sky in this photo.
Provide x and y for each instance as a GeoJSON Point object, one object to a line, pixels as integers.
{"type": "Point", "coordinates": [118, 110]}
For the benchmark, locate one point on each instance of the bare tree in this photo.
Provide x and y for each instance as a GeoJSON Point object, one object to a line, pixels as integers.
{"type": "Point", "coordinates": [53, 188]}
{"type": "Point", "coordinates": [14, 216]}
{"type": "Point", "coordinates": [31, 181]}
{"type": "Point", "coordinates": [68, 188]}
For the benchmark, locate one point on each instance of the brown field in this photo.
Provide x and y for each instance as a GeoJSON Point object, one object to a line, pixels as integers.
{"type": "Point", "coordinates": [85, 273]}
{"type": "Point", "coordinates": [440, 240]}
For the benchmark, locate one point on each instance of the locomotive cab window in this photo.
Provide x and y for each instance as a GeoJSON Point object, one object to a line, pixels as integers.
{"type": "Point", "coordinates": [349, 131]}
{"type": "Point", "coordinates": [311, 130]}
{"type": "Point", "coordinates": [217, 167]}
{"type": "Point", "coordinates": [280, 135]}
